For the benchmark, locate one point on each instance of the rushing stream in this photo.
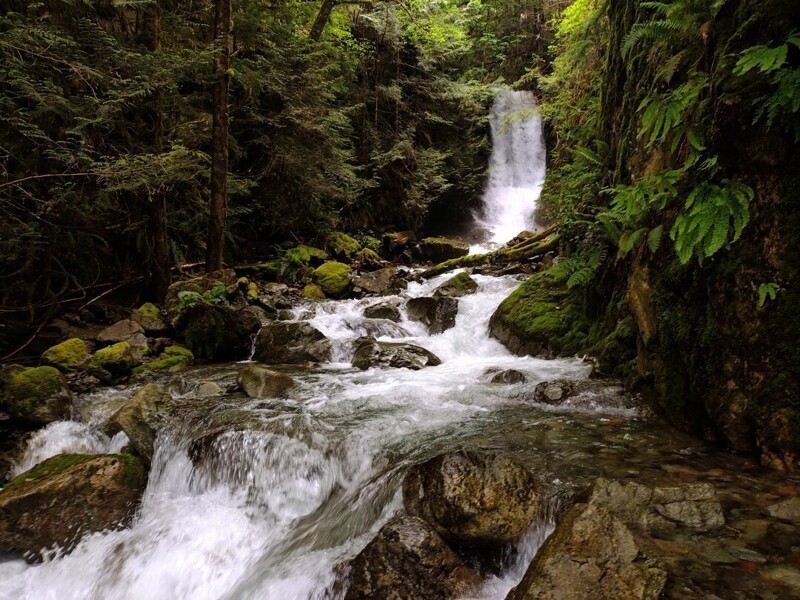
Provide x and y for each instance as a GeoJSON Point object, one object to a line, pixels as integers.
{"type": "Point", "coordinates": [296, 487]}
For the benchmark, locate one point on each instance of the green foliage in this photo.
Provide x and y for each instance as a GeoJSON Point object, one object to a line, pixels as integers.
{"type": "Point", "coordinates": [578, 270]}
{"type": "Point", "coordinates": [218, 294]}
{"type": "Point", "coordinates": [768, 290]}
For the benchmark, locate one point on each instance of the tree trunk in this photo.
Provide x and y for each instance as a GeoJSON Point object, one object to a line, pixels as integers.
{"type": "Point", "coordinates": [322, 19]}
{"type": "Point", "coordinates": [159, 272]}
{"type": "Point", "coordinates": [219, 142]}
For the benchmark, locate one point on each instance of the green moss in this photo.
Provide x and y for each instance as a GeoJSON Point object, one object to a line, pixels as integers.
{"type": "Point", "coordinates": [462, 281]}
{"type": "Point", "coordinates": [117, 357]}
{"type": "Point", "coordinates": [52, 466]}
{"type": "Point", "coordinates": [28, 388]}
{"type": "Point", "coordinates": [334, 278]}
{"type": "Point", "coordinates": [67, 355]}
{"type": "Point", "coordinates": [148, 310]}
{"type": "Point", "coordinates": [165, 363]}
{"type": "Point", "coordinates": [368, 256]}
{"type": "Point", "coordinates": [177, 350]}
{"type": "Point", "coordinates": [305, 255]}
{"type": "Point", "coordinates": [313, 292]}
{"type": "Point", "coordinates": [342, 245]}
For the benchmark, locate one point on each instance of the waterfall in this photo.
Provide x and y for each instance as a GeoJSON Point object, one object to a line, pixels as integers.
{"type": "Point", "coordinates": [516, 168]}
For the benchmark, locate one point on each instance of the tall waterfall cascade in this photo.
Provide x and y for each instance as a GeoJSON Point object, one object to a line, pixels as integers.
{"type": "Point", "coordinates": [516, 169]}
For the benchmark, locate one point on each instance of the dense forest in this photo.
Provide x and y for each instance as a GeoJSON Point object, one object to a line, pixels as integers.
{"type": "Point", "coordinates": [247, 264]}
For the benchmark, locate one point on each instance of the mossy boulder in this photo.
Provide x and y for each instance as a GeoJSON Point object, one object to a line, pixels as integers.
{"type": "Point", "coordinates": [368, 259]}
{"type": "Point", "coordinates": [141, 418]}
{"type": "Point", "coordinates": [541, 318]}
{"type": "Point", "coordinates": [172, 360]}
{"type": "Point", "coordinates": [66, 497]}
{"type": "Point", "coordinates": [472, 498]}
{"type": "Point", "coordinates": [36, 396]}
{"type": "Point", "coordinates": [455, 287]}
{"type": "Point", "coordinates": [222, 284]}
{"type": "Point", "coordinates": [313, 292]}
{"type": "Point", "coordinates": [259, 382]}
{"type": "Point", "coordinates": [217, 332]}
{"type": "Point", "coordinates": [306, 255]}
{"type": "Point", "coordinates": [118, 358]}
{"type": "Point", "coordinates": [342, 246]}
{"type": "Point", "coordinates": [334, 278]}
{"type": "Point", "coordinates": [67, 356]}
{"type": "Point", "coordinates": [148, 316]}
{"type": "Point", "coordinates": [439, 249]}
{"type": "Point", "coordinates": [408, 559]}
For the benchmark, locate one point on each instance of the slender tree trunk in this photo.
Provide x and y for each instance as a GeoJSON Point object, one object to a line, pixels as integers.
{"type": "Point", "coordinates": [159, 275]}
{"type": "Point", "coordinates": [219, 153]}
{"type": "Point", "coordinates": [323, 16]}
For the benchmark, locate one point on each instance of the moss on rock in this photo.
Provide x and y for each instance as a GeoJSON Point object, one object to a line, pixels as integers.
{"type": "Point", "coordinates": [334, 278]}
{"type": "Point", "coordinates": [342, 245]}
{"type": "Point", "coordinates": [118, 358]}
{"type": "Point", "coordinates": [67, 355]}
{"type": "Point", "coordinates": [37, 396]}
{"type": "Point", "coordinates": [306, 255]}
{"type": "Point", "coordinates": [313, 292]}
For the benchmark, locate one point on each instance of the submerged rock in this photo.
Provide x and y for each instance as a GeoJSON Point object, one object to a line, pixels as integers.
{"type": "Point", "coordinates": [334, 278]}
{"type": "Point", "coordinates": [67, 496]}
{"type": "Point", "coordinates": [291, 343]}
{"type": "Point", "coordinates": [384, 310]}
{"type": "Point", "coordinates": [408, 559]}
{"type": "Point", "coordinates": [36, 396]}
{"type": "Point", "coordinates": [455, 287]}
{"type": "Point", "coordinates": [67, 355]}
{"type": "Point", "coordinates": [439, 249]}
{"type": "Point", "coordinates": [259, 382]}
{"type": "Point", "coordinates": [471, 498]}
{"type": "Point", "coordinates": [141, 418]}
{"type": "Point", "coordinates": [437, 314]}
{"type": "Point", "coordinates": [371, 353]}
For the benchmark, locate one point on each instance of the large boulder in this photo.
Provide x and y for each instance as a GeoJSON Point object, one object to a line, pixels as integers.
{"type": "Point", "coordinates": [36, 396]}
{"type": "Point", "coordinates": [217, 286]}
{"type": "Point", "coordinates": [68, 355]}
{"type": "Point", "coordinates": [455, 287]}
{"type": "Point", "coordinates": [472, 498]}
{"type": "Point", "coordinates": [141, 418]}
{"type": "Point", "coordinates": [66, 497]}
{"type": "Point", "coordinates": [407, 559]}
{"type": "Point", "coordinates": [119, 358]}
{"type": "Point", "coordinates": [218, 331]}
{"type": "Point", "coordinates": [377, 282]}
{"type": "Point", "coordinates": [259, 382]}
{"type": "Point", "coordinates": [334, 278]}
{"type": "Point", "coordinates": [342, 246]}
{"type": "Point", "coordinates": [384, 310]}
{"type": "Point", "coordinates": [592, 554]}
{"type": "Point", "coordinates": [148, 316]}
{"type": "Point", "coordinates": [291, 343]}
{"type": "Point", "coordinates": [439, 249]}
{"type": "Point", "coordinates": [371, 353]}
{"type": "Point", "coordinates": [437, 314]}
{"type": "Point", "coordinates": [123, 331]}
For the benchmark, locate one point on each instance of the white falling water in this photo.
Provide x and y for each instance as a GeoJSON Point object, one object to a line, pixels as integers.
{"type": "Point", "coordinates": [516, 169]}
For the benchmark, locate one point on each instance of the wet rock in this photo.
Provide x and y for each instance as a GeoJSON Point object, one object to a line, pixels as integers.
{"type": "Point", "coordinates": [68, 355]}
{"type": "Point", "coordinates": [334, 278]}
{"type": "Point", "coordinates": [591, 554]}
{"type": "Point", "coordinates": [439, 249]}
{"type": "Point", "coordinates": [259, 382]}
{"type": "Point", "coordinates": [507, 376]}
{"type": "Point", "coordinates": [209, 389]}
{"type": "Point", "coordinates": [217, 332]}
{"type": "Point", "coordinates": [471, 498]}
{"type": "Point", "coordinates": [787, 510]}
{"type": "Point", "coordinates": [377, 282]}
{"type": "Point", "coordinates": [36, 396]}
{"type": "Point", "coordinates": [141, 418]}
{"type": "Point", "coordinates": [384, 310]}
{"type": "Point", "coordinates": [553, 392]}
{"type": "Point", "coordinates": [437, 314]}
{"type": "Point", "coordinates": [455, 287]}
{"type": "Point", "coordinates": [291, 343]}
{"type": "Point", "coordinates": [67, 496]}
{"type": "Point", "coordinates": [587, 394]}
{"type": "Point", "coordinates": [370, 353]}
{"type": "Point", "coordinates": [407, 559]}
{"type": "Point", "coordinates": [148, 316]}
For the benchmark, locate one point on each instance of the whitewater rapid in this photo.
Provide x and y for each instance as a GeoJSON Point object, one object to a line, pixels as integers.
{"type": "Point", "coordinates": [278, 507]}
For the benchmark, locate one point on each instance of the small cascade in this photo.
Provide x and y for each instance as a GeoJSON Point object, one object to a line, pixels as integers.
{"type": "Point", "coordinates": [516, 169]}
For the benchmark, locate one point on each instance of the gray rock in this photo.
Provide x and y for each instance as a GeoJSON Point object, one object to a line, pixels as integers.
{"type": "Point", "coordinates": [376, 282]}
{"type": "Point", "coordinates": [123, 331]}
{"type": "Point", "coordinates": [291, 343]}
{"type": "Point", "coordinates": [259, 382]}
{"type": "Point", "coordinates": [508, 376]}
{"type": "Point", "coordinates": [141, 418]}
{"type": "Point", "coordinates": [209, 389]}
{"type": "Point", "coordinates": [437, 314]}
{"type": "Point", "coordinates": [787, 510]}
{"type": "Point", "coordinates": [384, 310]}
{"type": "Point", "coordinates": [407, 559]}
{"type": "Point", "coordinates": [455, 287]}
{"type": "Point", "coordinates": [371, 353]}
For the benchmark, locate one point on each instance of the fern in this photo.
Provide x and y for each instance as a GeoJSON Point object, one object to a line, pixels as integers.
{"type": "Point", "coordinates": [654, 238]}
{"type": "Point", "coordinates": [768, 290]}
{"type": "Point", "coordinates": [713, 216]}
